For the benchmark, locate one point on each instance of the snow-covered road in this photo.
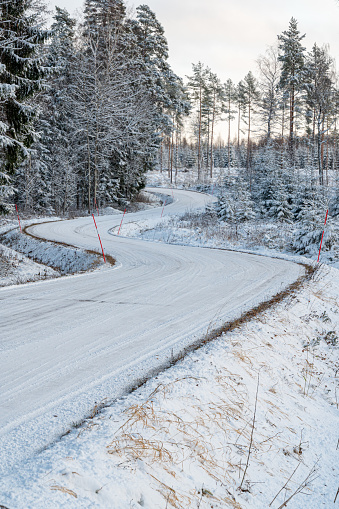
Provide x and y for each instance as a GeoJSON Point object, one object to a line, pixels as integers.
{"type": "Point", "coordinates": [69, 343]}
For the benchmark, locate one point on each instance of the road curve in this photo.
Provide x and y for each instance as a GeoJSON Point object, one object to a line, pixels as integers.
{"type": "Point", "coordinates": [69, 343]}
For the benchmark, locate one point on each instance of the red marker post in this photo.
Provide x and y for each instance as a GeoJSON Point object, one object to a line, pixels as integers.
{"type": "Point", "coordinates": [122, 220]}
{"type": "Point", "coordinates": [321, 242]}
{"type": "Point", "coordinates": [18, 216]}
{"type": "Point", "coordinates": [102, 249]}
{"type": "Point", "coordinates": [163, 208]}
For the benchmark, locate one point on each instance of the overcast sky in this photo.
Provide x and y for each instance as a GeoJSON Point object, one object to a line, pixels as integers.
{"type": "Point", "coordinates": [229, 35]}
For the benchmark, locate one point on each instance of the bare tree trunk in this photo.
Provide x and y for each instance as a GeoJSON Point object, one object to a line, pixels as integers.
{"type": "Point", "coordinates": [169, 157]}
{"type": "Point", "coordinates": [89, 169]}
{"type": "Point", "coordinates": [229, 135]}
{"type": "Point", "coordinates": [327, 127]}
{"type": "Point", "coordinates": [239, 116]}
{"type": "Point", "coordinates": [320, 150]}
{"type": "Point", "coordinates": [292, 113]}
{"type": "Point", "coordinates": [176, 152]}
{"type": "Point", "coordinates": [335, 146]}
{"type": "Point", "coordinates": [249, 142]}
{"type": "Point", "coordinates": [172, 157]}
{"type": "Point", "coordinates": [212, 132]}
{"type": "Point", "coordinates": [199, 133]}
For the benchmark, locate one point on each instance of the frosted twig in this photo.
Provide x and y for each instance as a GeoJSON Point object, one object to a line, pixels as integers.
{"type": "Point", "coordinates": [286, 483]}
{"type": "Point", "coordinates": [308, 480]}
{"type": "Point", "coordinates": [252, 431]}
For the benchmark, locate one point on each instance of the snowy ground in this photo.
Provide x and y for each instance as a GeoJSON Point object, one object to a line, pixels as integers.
{"type": "Point", "coordinates": [184, 439]}
{"type": "Point", "coordinates": [16, 268]}
{"type": "Point", "coordinates": [196, 435]}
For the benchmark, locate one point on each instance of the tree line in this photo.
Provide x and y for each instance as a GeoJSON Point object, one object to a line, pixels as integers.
{"type": "Point", "coordinates": [292, 101]}
{"type": "Point", "coordinates": [87, 108]}
{"type": "Point", "coordinates": [83, 106]}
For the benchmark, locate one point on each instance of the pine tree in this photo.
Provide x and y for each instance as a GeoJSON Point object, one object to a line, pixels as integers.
{"type": "Point", "coordinates": [215, 91]}
{"type": "Point", "coordinates": [21, 74]}
{"type": "Point", "coordinates": [250, 97]}
{"type": "Point", "coordinates": [197, 87]}
{"type": "Point", "coordinates": [319, 98]}
{"type": "Point", "coordinates": [230, 98]}
{"type": "Point", "coordinates": [240, 100]}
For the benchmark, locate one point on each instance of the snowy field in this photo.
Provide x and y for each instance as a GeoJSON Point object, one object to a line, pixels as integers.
{"type": "Point", "coordinates": [246, 421]}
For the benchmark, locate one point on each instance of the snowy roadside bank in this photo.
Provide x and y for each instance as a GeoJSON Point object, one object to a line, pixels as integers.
{"type": "Point", "coordinates": [197, 435]}
{"type": "Point", "coordinates": [39, 259]}
{"type": "Point", "coordinates": [15, 268]}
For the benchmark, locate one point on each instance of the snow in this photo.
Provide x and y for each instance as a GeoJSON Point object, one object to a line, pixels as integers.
{"type": "Point", "coordinates": [182, 439]}
{"type": "Point", "coordinates": [64, 259]}
{"type": "Point", "coordinates": [16, 268]}
{"type": "Point", "coordinates": [77, 344]}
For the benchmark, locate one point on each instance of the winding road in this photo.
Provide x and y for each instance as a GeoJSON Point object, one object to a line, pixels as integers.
{"type": "Point", "coordinates": [70, 343]}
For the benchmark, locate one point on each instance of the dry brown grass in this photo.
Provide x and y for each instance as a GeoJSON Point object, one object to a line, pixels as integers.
{"type": "Point", "coordinates": [56, 487]}
{"type": "Point", "coordinates": [164, 440]}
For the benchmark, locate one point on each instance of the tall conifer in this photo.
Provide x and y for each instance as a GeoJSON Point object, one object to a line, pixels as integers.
{"type": "Point", "coordinates": [21, 73]}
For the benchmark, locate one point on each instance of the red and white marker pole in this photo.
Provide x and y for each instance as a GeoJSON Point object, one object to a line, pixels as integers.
{"type": "Point", "coordinates": [322, 236]}
{"type": "Point", "coordinates": [122, 221]}
{"type": "Point", "coordinates": [18, 216]}
{"type": "Point", "coordinates": [102, 249]}
{"type": "Point", "coordinates": [163, 208]}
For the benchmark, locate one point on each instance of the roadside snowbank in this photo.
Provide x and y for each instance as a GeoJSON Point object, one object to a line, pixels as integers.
{"type": "Point", "coordinates": [65, 260]}
{"type": "Point", "coordinates": [16, 268]}
{"type": "Point", "coordinates": [192, 436]}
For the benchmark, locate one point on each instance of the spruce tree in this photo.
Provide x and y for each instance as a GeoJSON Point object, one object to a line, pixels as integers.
{"type": "Point", "coordinates": [310, 222]}
{"type": "Point", "coordinates": [235, 204]}
{"type": "Point", "coordinates": [21, 75]}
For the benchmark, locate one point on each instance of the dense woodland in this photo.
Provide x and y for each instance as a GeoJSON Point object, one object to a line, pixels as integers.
{"type": "Point", "coordinates": [89, 106]}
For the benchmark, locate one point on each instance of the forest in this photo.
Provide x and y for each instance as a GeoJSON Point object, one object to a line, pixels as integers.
{"type": "Point", "coordinates": [89, 106]}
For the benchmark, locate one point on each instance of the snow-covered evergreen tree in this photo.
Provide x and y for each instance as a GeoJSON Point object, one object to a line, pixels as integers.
{"type": "Point", "coordinates": [235, 204]}
{"type": "Point", "coordinates": [21, 74]}
{"type": "Point", "coordinates": [310, 219]}
{"type": "Point", "coordinates": [270, 185]}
